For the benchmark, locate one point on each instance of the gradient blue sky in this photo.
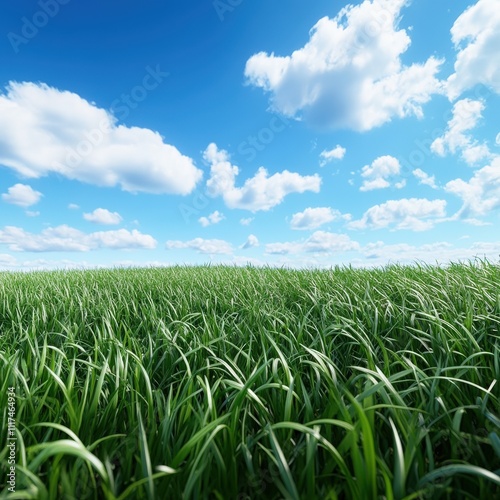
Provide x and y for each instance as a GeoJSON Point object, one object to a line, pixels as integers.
{"type": "Point", "coordinates": [285, 133]}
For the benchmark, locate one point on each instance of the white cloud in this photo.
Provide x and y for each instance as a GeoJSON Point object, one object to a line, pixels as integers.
{"type": "Point", "coordinates": [466, 115]}
{"type": "Point", "coordinates": [440, 252]}
{"type": "Point", "coordinates": [414, 214]}
{"type": "Point", "coordinates": [378, 183]}
{"type": "Point", "coordinates": [337, 153]}
{"type": "Point", "coordinates": [67, 239]}
{"type": "Point", "coordinates": [213, 218]}
{"type": "Point", "coordinates": [246, 221]}
{"type": "Point", "coordinates": [73, 206]}
{"type": "Point", "coordinates": [202, 246]}
{"type": "Point", "coordinates": [252, 241]}
{"type": "Point", "coordinates": [403, 251]}
{"type": "Point", "coordinates": [31, 213]}
{"type": "Point", "coordinates": [349, 74]}
{"type": "Point", "coordinates": [497, 139]}
{"type": "Point", "coordinates": [7, 260]}
{"type": "Point", "coordinates": [45, 130]}
{"type": "Point", "coordinates": [21, 195]}
{"type": "Point", "coordinates": [103, 216]}
{"type": "Point", "coordinates": [377, 174]}
{"type": "Point", "coordinates": [312, 218]}
{"type": "Point", "coordinates": [476, 222]}
{"type": "Point", "coordinates": [318, 242]}
{"type": "Point", "coordinates": [261, 192]}
{"type": "Point", "coordinates": [474, 154]}
{"type": "Point", "coordinates": [481, 194]}
{"type": "Point", "coordinates": [476, 36]}
{"type": "Point", "coordinates": [124, 239]}
{"type": "Point", "coordinates": [425, 178]}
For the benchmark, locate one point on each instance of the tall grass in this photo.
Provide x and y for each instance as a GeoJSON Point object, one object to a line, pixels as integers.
{"type": "Point", "coordinates": [216, 382]}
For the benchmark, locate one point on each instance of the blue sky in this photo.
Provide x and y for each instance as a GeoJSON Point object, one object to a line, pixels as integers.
{"type": "Point", "coordinates": [284, 133]}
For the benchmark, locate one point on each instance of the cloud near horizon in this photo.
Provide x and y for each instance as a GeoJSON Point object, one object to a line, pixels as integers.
{"type": "Point", "coordinates": [415, 214]}
{"type": "Point", "coordinates": [67, 239]}
{"type": "Point", "coordinates": [321, 242]}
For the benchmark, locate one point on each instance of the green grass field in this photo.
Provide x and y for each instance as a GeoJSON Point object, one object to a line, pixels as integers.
{"type": "Point", "coordinates": [235, 383]}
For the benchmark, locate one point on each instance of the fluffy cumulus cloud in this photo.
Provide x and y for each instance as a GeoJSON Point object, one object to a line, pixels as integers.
{"type": "Point", "coordinates": [312, 218]}
{"type": "Point", "coordinates": [103, 216]}
{"type": "Point", "coordinates": [261, 192]}
{"type": "Point", "coordinates": [201, 245]}
{"type": "Point", "coordinates": [481, 194]}
{"type": "Point", "coordinates": [416, 214]}
{"type": "Point", "coordinates": [213, 218]}
{"type": "Point", "coordinates": [22, 195]}
{"type": "Point", "coordinates": [377, 174]}
{"type": "Point", "coordinates": [466, 115]}
{"type": "Point", "coordinates": [337, 153]}
{"type": "Point", "coordinates": [319, 242]}
{"type": "Point", "coordinates": [349, 74]}
{"type": "Point", "coordinates": [45, 130]}
{"type": "Point", "coordinates": [67, 239]}
{"type": "Point", "coordinates": [476, 36]}
{"type": "Point", "coordinates": [252, 241]}
{"type": "Point", "coordinates": [425, 178]}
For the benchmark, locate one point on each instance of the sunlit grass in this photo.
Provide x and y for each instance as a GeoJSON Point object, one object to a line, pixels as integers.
{"type": "Point", "coordinates": [216, 382]}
